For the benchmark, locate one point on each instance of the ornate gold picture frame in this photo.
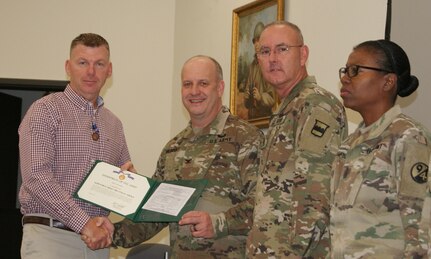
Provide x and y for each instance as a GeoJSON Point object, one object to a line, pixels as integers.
{"type": "Point", "coordinates": [251, 98]}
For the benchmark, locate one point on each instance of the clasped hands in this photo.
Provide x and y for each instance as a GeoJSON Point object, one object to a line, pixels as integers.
{"type": "Point", "coordinates": [98, 231]}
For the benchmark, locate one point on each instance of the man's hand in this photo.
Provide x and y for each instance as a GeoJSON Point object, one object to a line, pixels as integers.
{"type": "Point", "coordinates": [105, 223]}
{"type": "Point", "coordinates": [200, 223]}
{"type": "Point", "coordinates": [97, 233]}
{"type": "Point", "coordinates": [128, 166]}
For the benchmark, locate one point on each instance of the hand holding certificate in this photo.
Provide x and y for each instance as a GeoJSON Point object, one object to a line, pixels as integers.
{"type": "Point", "coordinates": [137, 197]}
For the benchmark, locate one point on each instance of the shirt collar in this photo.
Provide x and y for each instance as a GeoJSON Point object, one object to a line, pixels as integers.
{"type": "Point", "coordinates": [80, 101]}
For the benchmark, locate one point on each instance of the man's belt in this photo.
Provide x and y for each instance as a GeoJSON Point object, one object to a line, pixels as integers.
{"type": "Point", "coordinates": [44, 221]}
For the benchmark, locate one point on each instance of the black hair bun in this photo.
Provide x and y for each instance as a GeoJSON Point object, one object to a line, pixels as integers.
{"type": "Point", "coordinates": [410, 86]}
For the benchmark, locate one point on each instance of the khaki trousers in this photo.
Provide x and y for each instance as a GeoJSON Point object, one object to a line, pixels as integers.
{"type": "Point", "coordinates": [39, 241]}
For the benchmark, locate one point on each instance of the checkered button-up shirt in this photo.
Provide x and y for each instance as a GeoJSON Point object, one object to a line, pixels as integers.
{"type": "Point", "coordinates": [57, 151]}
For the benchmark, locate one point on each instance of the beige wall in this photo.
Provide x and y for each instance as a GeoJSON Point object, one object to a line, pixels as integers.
{"type": "Point", "coordinates": [151, 39]}
{"type": "Point", "coordinates": [410, 29]}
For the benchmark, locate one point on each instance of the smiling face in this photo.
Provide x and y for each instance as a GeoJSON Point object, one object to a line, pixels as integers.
{"type": "Point", "coordinates": [88, 68]}
{"type": "Point", "coordinates": [201, 90]}
{"type": "Point", "coordinates": [283, 70]}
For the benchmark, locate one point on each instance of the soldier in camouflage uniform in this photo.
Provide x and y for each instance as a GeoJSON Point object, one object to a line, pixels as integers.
{"type": "Point", "coordinates": [380, 189]}
{"type": "Point", "coordinates": [216, 146]}
{"type": "Point", "coordinates": [291, 215]}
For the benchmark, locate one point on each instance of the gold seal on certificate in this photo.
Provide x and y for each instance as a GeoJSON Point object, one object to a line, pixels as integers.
{"type": "Point", "coordinates": [137, 197]}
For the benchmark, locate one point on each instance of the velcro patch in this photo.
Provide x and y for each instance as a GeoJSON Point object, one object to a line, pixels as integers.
{"type": "Point", "coordinates": [319, 128]}
{"type": "Point", "coordinates": [419, 173]}
{"type": "Point", "coordinates": [318, 131]}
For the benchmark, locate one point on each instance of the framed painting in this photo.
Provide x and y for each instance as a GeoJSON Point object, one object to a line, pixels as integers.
{"type": "Point", "coordinates": [251, 97]}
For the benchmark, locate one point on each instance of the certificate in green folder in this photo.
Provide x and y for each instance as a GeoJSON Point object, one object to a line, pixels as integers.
{"type": "Point", "coordinates": [137, 197]}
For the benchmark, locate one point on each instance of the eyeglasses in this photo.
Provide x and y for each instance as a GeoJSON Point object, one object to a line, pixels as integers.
{"type": "Point", "coordinates": [279, 50]}
{"type": "Point", "coordinates": [353, 70]}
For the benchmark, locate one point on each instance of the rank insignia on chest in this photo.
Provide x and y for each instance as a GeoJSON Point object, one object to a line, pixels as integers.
{"type": "Point", "coordinates": [419, 172]}
{"type": "Point", "coordinates": [187, 160]}
{"type": "Point", "coordinates": [319, 128]}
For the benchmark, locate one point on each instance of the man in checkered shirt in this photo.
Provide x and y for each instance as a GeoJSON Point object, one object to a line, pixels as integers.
{"type": "Point", "coordinates": [61, 136]}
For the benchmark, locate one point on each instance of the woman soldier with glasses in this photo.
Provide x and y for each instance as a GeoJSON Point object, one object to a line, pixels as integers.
{"type": "Point", "coordinates": [380, 202]}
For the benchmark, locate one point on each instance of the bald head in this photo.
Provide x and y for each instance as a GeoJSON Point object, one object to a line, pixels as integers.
{"type": "Point", "coordinates": [290, 26]}
{"type": "Point", "coordinates": [202, 89]}
{"type": "Point", "coordinates": [218, 70]}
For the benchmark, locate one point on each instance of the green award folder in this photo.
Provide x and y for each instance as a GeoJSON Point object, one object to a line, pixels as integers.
{"type": "Point", "coordinates": [139, 198]}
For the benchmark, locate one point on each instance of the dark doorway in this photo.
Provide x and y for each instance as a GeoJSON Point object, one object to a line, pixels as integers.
{"type": "Point", "coordinates": [16, 96]}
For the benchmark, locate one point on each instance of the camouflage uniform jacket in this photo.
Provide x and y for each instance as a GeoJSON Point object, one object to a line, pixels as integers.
{"type": "Point", "coordinates": [225, 153]}
{"type": "Point", "coordinates": [291, 216]}
{"type": "Point", "coordinates": [379, 188]}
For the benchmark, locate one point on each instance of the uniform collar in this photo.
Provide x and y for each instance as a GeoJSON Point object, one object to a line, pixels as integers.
{"type": "Point", "coordinates": [295, 91]}
{"type": "Point", "coordinates": [216, 127]}
{"type": "Point", "coordinates": [381, 124]}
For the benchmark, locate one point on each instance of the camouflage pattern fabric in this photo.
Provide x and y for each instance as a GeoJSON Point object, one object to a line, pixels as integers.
{"type": "Point", "coordinates": [379, 189]}
{"type": "Point", "coordinates": [225, 153]}
{"type": "Point", "coordinates": [292, 194]}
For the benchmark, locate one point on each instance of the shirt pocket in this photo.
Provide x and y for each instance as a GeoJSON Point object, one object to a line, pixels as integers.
{"type": "Point", "coordinates": [377, 191]}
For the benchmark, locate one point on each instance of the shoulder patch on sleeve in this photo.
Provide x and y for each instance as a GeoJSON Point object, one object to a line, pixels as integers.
{"type": "Point", "coordinates": [317, 131]}
{"type": "Point", "coordinates": [319, 128]}
{"type": "Point", "coordinates": [413, 158]}
{"type": "Point", "coordinates": [419, 172]}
